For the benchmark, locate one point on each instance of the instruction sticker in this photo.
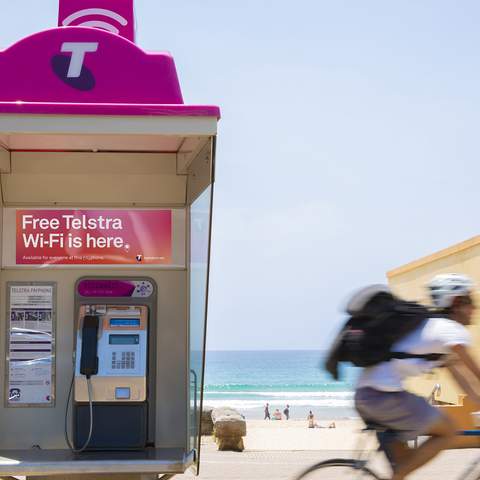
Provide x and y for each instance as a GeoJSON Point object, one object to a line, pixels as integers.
{"type": "Point", "coordinates": [31, 345]}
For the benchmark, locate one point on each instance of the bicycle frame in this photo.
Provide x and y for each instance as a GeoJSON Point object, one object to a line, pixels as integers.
{"type": "Point", "coordinates": [363, 455]}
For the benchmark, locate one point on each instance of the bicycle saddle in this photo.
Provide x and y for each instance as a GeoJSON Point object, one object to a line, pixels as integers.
{"type": "Point", "coordinates": [376, 426]}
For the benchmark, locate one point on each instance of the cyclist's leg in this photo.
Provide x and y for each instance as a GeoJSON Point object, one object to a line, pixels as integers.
{"type": "Point", "coordinates": [400, 450]}
{"type": "Point", "coordinates": [441, 433]}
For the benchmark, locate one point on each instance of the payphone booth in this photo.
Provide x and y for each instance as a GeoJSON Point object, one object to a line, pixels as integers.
{"type": "Point", "coordinates": [106, 195]}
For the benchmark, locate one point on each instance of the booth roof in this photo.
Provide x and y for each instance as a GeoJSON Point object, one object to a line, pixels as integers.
{"type": "Point", "coordinates": [121, 109]}
{"type": "Point", "coordinates": [89, 71]}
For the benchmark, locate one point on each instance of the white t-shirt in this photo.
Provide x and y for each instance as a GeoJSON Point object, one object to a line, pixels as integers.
{"type": "Point", "coordinates": [434, 335]}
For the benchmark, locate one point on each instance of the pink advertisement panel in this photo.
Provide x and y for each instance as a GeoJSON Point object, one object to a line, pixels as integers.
{"type": "Point", "coordinates": [94, 237]}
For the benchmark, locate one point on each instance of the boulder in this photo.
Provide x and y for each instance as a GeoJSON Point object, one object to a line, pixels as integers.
{"type": "Point", "coordinates": [207, 422]}
{"type": "Point", "coordinates": [229, 428]}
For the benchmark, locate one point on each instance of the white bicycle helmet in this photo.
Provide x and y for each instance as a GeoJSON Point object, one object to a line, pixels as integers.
{"type": "Point", "coordinates": [445, 287]}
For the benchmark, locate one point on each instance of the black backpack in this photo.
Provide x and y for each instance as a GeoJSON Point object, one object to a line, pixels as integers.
{"type": "Point", "coordinates": [377, 320]}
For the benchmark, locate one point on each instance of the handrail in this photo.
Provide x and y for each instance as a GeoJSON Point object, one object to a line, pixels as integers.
{"type": "Point", "coordinates": [195, 386]}
{"type": "Point", "coordinates": [195, 383]}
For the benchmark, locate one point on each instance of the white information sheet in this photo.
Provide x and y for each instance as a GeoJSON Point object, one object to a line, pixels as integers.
{"type": "Point", "coordinates": [31, 343]}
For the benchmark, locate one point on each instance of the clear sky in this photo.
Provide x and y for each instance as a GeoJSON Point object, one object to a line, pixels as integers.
{"type": "Point", "coordinates": [348, 145]}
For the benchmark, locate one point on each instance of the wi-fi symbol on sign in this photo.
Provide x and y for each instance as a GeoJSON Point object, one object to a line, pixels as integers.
{"type": "Point", "coordinates": [78, 16]}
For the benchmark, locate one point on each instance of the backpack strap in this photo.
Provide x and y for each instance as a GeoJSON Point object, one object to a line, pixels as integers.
{"type": "Point", "coordinates": [432, 357]}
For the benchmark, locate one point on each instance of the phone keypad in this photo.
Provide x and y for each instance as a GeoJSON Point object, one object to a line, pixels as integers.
{"type": "Point", "coordinates": [123, 360]}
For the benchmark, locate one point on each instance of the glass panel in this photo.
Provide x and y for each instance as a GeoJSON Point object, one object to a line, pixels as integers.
{"type": "Point", "coordinates": [200, 215]}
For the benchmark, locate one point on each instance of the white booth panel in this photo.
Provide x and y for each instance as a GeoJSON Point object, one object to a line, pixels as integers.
{"type": "Point", "coordinates": [106, 189]}
{"type": "Point", "coordinates": [93, 163]}
{"type": "Point", "coordinates": [86, 132]}
{"type": "Point", "coordinates": [89, 142]}
{"type": "Point", "coordinates": [93, 179]}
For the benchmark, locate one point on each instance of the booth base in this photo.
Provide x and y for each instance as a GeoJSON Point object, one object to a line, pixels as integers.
{"type": "Point", "coordinates": [45, 463]}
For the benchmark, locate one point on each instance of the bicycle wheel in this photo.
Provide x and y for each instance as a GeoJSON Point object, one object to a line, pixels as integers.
{"type": "Point", "coordinates": [338, 469]}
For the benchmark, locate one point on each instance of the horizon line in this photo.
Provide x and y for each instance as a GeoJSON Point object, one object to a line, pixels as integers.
{"type": "Point", "coordinates": [269, 350]}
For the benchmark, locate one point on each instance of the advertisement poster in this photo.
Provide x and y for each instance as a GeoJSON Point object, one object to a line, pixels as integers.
{"type": "Point", "coordinates": [31, 345]}
{"type": "Point", "coordinates": [93, 237]}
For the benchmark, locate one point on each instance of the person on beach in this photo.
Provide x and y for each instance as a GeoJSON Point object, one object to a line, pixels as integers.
{"type": "Point", "coordinates": [286, 412]}
{"type": "Point", "coordinates": [313, 424]}
{"type": "Point", "coordinates": [267, 413]}
{"type": "Point", "coordinates": [311, 420]}
{"type": "Point", "coordinates": [382, 399]}
{"type": "Point", "coordinates": [277, 415]}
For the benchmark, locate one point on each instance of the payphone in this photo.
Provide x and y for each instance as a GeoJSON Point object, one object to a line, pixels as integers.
{"type": "Point", "coordinates": [106, 201]}
{"type": "Point", "coordinates": [110, 410]}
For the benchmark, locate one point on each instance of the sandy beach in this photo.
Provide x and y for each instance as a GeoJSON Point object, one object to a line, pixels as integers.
{"type": "Point", "coordinates": [294, 435]}
{"type": "Point", "coordinates": [282, 449]}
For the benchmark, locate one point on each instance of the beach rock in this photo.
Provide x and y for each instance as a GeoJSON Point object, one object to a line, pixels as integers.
{"type": "Point", "coordinates": [207, 422]}
{"type": "Point", "coordinates": [229, 428]}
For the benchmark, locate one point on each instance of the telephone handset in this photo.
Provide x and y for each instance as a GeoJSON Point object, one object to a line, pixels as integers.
{"type": "Point", "coordinates": [88, 367]}
{"type": "Point", "coordinates": [89, 358]}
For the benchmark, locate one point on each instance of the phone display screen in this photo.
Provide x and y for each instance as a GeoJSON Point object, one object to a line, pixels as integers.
{"type": "Point", "coordinates": [124, 339]}
{"type": "Point", "coordinates": [124, 322]}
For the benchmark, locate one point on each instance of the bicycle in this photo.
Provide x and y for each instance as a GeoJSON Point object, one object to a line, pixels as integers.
{"type": "Point", "coordinates": [358, 468]}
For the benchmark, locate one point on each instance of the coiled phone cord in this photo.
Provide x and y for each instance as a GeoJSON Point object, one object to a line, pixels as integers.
{"type": "Point", "coordinates": [85, 445]}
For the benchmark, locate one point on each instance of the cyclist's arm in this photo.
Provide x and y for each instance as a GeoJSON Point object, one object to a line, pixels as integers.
{"type": "Point", "coordinates": [466, 359]}
{"type": "Point", "coordinates": [465, 381]}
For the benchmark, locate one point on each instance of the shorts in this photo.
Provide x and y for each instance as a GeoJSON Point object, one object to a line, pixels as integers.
{"type": "Point", "coordinates": [408, 414]}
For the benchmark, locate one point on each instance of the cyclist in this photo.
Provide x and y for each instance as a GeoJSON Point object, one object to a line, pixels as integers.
{"type": "Point", "coordinates": [381, 398]}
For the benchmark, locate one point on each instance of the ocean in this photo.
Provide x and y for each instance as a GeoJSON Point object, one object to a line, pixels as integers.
{"type": "Point", "coordinates": [247, 380]}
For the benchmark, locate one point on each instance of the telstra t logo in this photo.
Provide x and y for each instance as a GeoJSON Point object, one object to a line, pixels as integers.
{"type": "Point", "coordinates": [70, 69]}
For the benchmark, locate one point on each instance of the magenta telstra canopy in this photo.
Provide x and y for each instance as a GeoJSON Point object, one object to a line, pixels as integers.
{"type": "Point", "coordinates": [91, 65]}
